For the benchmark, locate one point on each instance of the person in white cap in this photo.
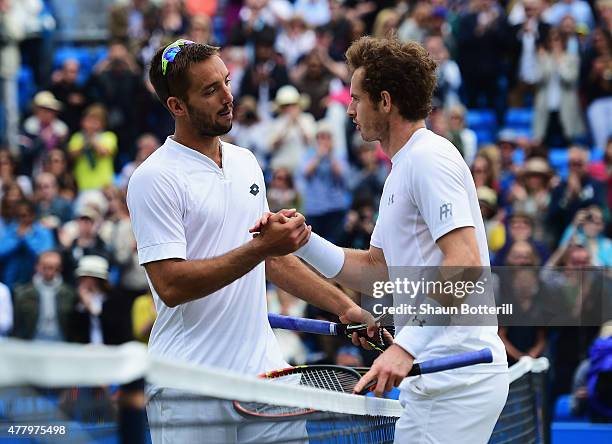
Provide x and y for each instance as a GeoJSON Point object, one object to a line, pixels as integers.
{"type": "Point", "coordinates": [43, 131]}
{"type": "Point", "coordinates": [292, 132]}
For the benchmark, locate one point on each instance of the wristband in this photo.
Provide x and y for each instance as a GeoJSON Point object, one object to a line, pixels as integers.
{"type": "Point", "coordinates": [324, 256]}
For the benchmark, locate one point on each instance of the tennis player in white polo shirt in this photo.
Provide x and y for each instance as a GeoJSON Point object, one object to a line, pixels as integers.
{"type": "Point", "coordinates": [428, 216]}
{"type": "Point", "coordinates": [191, 205]}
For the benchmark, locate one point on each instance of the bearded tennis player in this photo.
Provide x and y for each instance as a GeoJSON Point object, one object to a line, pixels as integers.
{"type": "Point", "coordinates": [191, 204]}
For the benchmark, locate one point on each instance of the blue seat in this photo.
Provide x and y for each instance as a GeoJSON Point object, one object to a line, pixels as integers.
{"type": "Point", "coordinates": [519, 118]}
{"type": "Point", "coordinates": [481, 118]}
{"type": "Point", "coordinates": [26, 87]}
{"type": "Point", "coordinates": [559, 160]}
{"type": "Point", "coordinates": [87, 57]}
{"type": "Point", "coordinates": [484, 136]}
{"type": "Point", "coordinates": [597, 154]}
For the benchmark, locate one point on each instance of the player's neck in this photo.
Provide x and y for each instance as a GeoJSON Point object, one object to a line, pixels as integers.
{"type": "Point", "coordinates": [209, 146]}
{"type": "Point", "coordinates": [399, 134]}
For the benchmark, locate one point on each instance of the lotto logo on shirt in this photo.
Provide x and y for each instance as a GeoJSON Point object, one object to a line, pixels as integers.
{"type": "Point", "coordinates": [446, 211]}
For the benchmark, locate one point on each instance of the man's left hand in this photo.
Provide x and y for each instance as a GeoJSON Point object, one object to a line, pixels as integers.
{"type": "Point", "coordinates": [389, 370]}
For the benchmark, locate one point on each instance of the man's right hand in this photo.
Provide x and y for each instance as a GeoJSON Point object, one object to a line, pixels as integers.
{"type": "Point", "coordinates": [282, 235]}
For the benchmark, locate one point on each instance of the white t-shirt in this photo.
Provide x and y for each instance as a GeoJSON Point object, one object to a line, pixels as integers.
{"type": "Point", "coordinates": [182, 205]}
{"type": "Point", "coordinates": [430, 192]}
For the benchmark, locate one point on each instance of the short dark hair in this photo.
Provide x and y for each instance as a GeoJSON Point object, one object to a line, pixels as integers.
{"type": "Point", "coordinates": [405, 70]}
{"type": "Point", "coordinates": [176, 81]}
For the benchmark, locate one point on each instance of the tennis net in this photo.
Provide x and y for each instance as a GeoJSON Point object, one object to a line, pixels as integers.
{"type": "Point", "coordinates": [76, 394]}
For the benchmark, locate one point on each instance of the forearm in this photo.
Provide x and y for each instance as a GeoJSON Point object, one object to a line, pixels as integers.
{"type": "Point", "coordinates": [360, 271]}
{"type": "Point", "coordinates": [291, 275]}
{"type": "Point", "coordinates": [185, 281]}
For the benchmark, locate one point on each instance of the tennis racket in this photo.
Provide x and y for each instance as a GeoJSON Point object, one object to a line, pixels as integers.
{"type": "Point", "coordinates": [343, 380]}
{"type": "Point", "coordinates": [319, 327]}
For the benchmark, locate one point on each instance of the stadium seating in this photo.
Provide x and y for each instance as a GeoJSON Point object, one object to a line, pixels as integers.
{"type": "Point", "coordinates": [484, 124]}
{"type": "Point", "coordinates": [519, 120]}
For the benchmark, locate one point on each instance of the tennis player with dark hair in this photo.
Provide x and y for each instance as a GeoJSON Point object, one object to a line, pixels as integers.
{"type": "Point", "coordinates": [428, 217]}
{"type": "Point", "coordinates": [191, 204]}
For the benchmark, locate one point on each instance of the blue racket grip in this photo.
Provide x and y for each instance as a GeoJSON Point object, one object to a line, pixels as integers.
{"type": "Point", "coordinates": [300, 324]}
{"type": "Point", "coordinates": [455, 361]}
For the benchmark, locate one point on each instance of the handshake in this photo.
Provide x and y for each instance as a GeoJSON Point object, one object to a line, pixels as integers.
{"type": "Point", "coordinates": [281, 233]}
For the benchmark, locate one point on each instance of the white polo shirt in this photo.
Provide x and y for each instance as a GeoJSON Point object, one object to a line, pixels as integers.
{"type": "Point", "coordinates": [430, 192]}
{"type": "Point", "coordinates": [182, 205]}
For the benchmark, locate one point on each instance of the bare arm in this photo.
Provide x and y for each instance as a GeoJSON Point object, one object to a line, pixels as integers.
{"type": "Point", "coordinates": [361, 268]}
{"type": "Point", "coordinates": [291, 275]}
{"type": "Point", "coordinates": [178, 281]}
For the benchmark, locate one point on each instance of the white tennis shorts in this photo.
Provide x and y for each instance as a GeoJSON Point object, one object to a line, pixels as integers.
{"type": "Point", "coordinates": [449, 407]}
{"type": "Point", "coordinates": [211, 421]}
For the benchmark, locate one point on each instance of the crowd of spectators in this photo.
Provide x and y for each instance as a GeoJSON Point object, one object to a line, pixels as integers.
{"type": "Point", "coordinates": [72, 135]}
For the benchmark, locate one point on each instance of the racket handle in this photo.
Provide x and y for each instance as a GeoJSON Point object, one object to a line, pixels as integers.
{"type": "Point", "coordinates": [300, 324]}
{"type": "Point", "coordinates": [449, 362]}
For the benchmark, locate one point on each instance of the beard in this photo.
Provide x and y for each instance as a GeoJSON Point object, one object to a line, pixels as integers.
{"type": "Point", "coordinates": [204, 123]}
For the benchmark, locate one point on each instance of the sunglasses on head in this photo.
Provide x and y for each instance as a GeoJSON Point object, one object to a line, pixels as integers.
{"type": "Point", "coordinates": [171, 51]}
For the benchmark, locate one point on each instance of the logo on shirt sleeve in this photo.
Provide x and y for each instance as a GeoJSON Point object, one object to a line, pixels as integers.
{"type": "Point", "coordinates": [446, 211]}
{"type": "Point", "coordinates": [254, 189]}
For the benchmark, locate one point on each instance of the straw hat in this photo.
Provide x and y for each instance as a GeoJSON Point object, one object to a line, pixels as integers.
{"type": "Point", "coordinates": [289, 95]}
{"type": "Point", "coordinates": [92, 266]}
{"type": "Point", "coordinates": [46, 100]}
{"type": "Point", "coordinates": [487, 196]}
{"type": "Point", "coordinates": [536, 165]}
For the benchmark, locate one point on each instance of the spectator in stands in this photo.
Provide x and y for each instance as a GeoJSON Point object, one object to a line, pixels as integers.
{"type": "Point", "coordinates": [324, 47]}
{"type": "Point", "coordinates": [292, 132]}
{"type": "Point", "coordinates": [416, 25]}
{"type": "Point", "coordinates": [448, 74]}
{"type": "Point", "coordinates": [173, 19]}
{"type": "Point", "coordinates": [324, 186]}
{"type": "Point", "coordinates": [11, 32]}
{"type": "Point", "coordinates": [602, 171]}
{"type": "Point", "coordinates": [11, 196]}
{"type": "Point", "coordinates": [281, 191]}
{"type": "Point", "coordinates": [146, 145]}
{"type": "Point", "coordinates": [122, 247]}
{"type": "Point", "coordinates": [42, 132]}
{"type": "Point", "coordinates": [557, 119]}
{"type": "Point", "coordinates": [45, 307]}
{"type": "Point", "coordinates": [295, 40]}
{"type": "Point", "coordinates": [580, 10]}
{"type": "Point", "coordinates": [521, 228]}
{"type": "Point", "coordinates": [460, 135]}
{"type": "Point", "coordinates": [525, 38]}
{"type": "Point", "coordinates": [55, 163]}
{"type": "Point", "coordinates": [386, 23]}
{"type": "Point", "coordinates": [484, 172]}
{"type": "Point", "coordinates": [132, 21]}
{"type": "Point", "coordinates": [6, 311]}
{"type": "Point", "coordinates": [200, 29]}
{"type": "Point", "coordinates": [341, 28]}
{"type": "Point", "coordinates": [205, 8]}
{"type": "Point", "coordinates": [259, 17]}
{"type": "Point", "coordinates": [481, 36]}
{"type": "Point", "coordinates": [587, 229]}
{"type": "Point", "coordinates": [530, 195]}
{"type": "Point", "coordinates": [51, 209]}
{"type": "Point", "coordinates": [264, 76]}
{"type": "Point", "coordinates": [92, 150]}
{"type": "Point", "coordinates": [117, 84]}
{"type": "Point", "coordinates": [87, 242]}
{"type": "Point", "coordinates": [604, 12]}
{"type": "Point", "coordinates": [21, 244]}
{"type": "Point", "coordinates": [143, 317]}
{"type": "Point", "coordinates": [368, 180]}
{"type": "Point", "coordinates": [496, 232]}
{"type": "Point", "coordinates": [315, 12]}
{"type": "Point", "coordinates": [597, 85]}
{"type": "Point", "coordinates": [522, 288]}
{"type": "Point", "coordinates": [249, 131]}
{"type": "Point", "coordinates": [66, 88]}
{"type": "Point", "coordinates": [104, 317]}
{"type": "Point", "coordinates": [9, 173]}
{"type": "Point", "coordinates": [573, 35]}
{"type": "Point", "coordinates": [358, 225]}
{"type": "Point", "coordinates": [578, 191]}
{"type": "Point", "coordinates": [313, 77]}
